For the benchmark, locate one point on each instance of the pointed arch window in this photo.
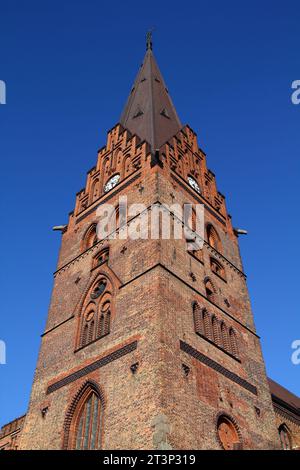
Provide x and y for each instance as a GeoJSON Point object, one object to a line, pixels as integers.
{"type": "Point", "coordinates": [83, 424]}
{"type": "Point", "coordinates": [90, 238]}
{"type": "Point", "coordinates": [88, 424]}
{"type": "Point", "coordinates": [95, 321]}
{"type": "Point", "coordinates": [88, 327]}
{"type": "Point", "coordinates": [213, 238]}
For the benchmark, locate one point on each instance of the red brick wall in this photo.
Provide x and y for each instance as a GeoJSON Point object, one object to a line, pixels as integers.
{"type": "Point", "coordinates": [10, 434]}
{"type": "Point", "coordinates": [158, 406]}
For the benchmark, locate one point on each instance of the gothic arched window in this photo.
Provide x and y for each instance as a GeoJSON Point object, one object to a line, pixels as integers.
{"type": "Point", "coordinates": [97, 307]}
{"type": "Point", "coordinates": [88, 424]}
{"type": "Point", "coordinates": [285, 437]}
{"type": "Point", "coordinates": [213, 238]}
{"type": "Point", "coordinates": [84, 419]}
{"type": "Point", "coordinates": [90, 238]}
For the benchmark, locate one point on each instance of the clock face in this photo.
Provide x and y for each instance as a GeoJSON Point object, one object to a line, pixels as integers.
{"type": "Point", "coordinates": [194, 184]}
{"type": "Point", "coordinates": [111, 183]}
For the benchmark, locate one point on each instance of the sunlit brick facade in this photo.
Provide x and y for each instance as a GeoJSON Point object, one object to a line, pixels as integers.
{"type": "Point", "coordinates": [149, 345]}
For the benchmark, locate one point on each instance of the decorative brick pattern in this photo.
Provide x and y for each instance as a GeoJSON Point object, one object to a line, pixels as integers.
{"type": "Point", "coordinates": [212, 329]}
{"type": "Point", "coordinates": [94, 366]}
{"type": "Point", "coordinates": [218, 367]}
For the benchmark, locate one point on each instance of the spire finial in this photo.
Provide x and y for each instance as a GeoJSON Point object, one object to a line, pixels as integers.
{"type": "Point", "coordinates": [149, 112]}
{"type": "Point", "coordinates": [149, 39]}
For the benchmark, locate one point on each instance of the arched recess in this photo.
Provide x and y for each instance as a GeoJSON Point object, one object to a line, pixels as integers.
{"type": "Point", "coordinates": [233, 344]}
{"type": "Point", "coordinates": [114, 221]}
{"type": "Point", "coordinates": [198, 319]}
{"type": "Point", "coordinates": [213, 238]}
{"type": "Point", "coordinates": [89, 238]}
{"type": "Point", "coordinates": [106, 164]}
{"type": "Point", "coordinates": [224, 336]}
{"type": "Point", "coordinates": [95, 190]}
{"type": "Point", "coordinates": [88, 326]}
{"type": "Point", "coordinates": [101, 257]}
{"type": "Point", "coordinates": [215, 330]}
{"type": "Point", "coordinates": [210, 290]}
{"type": "Point", "coordinates": [285, 437]}
{"type": "Point", "coordinates": [217, 268]}
{"type": "Point", "coordinates": [206, 318]}
{"type": "Point", "coordinates": [96, 311]}
{"type": "Point", "coordinates": [228, 432]}
{"type": "Point", "coordinates": [126, 166]}
{"type": "Point", "coordinates": [192, 230]}
{"type": "Point", "coordinates": [83, 425]}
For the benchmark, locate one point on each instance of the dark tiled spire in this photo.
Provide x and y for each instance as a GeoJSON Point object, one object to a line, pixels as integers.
{"type": "Point", "coordinates": [149, 112]}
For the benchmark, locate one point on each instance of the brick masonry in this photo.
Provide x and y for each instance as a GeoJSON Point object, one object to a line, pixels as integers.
{"type": "Point", "coordinates": [156, 392]}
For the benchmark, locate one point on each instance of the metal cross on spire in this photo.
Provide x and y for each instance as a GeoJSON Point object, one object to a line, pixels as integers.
{"type": "Point", "coordinates": [149, 39]}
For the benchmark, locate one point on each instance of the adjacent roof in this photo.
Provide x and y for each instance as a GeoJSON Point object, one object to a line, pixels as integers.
{"type": "Point", "coordinates": [12, 426]}
{"type": "Point", "coordinates": [284, 395]}
{"type": "Point", "coordinates": [149, 112]}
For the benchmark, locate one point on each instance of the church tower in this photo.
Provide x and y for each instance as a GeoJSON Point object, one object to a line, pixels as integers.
{"type": "Point", "coordinates": [149, 345]}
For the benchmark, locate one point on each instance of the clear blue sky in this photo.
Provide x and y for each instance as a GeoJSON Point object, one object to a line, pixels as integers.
{"type": "Point", "coordinates": [69, 66]}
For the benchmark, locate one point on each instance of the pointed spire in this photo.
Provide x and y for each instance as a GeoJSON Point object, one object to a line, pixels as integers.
{"type": "Point", "coordinates": [149, 112]}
